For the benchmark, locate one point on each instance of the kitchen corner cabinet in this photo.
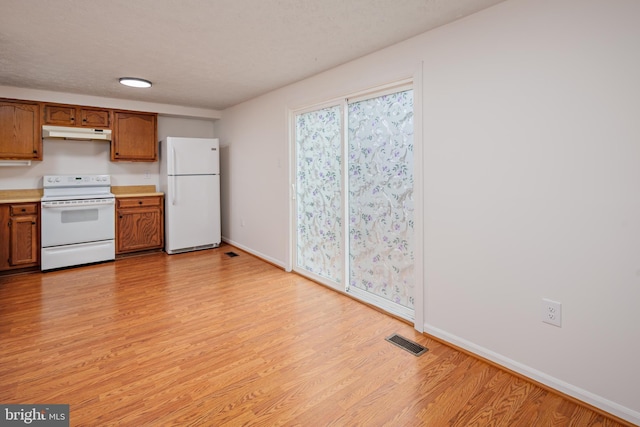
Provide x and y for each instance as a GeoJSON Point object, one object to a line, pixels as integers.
{"type": "Point", "coordinates": [77, 116]}
{"type": "Point", "coordinates": [20, 130]}
{"type": "Point", "coordinates": [134, 137]}
{"type": "Point", "coordinates": [139, 223]}
{"type": "Point", "coordinates": [19, 235]}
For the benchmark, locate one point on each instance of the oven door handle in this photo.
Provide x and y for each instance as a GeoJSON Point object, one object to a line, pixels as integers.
{"type": "Point", "coordinates": [54, 205]}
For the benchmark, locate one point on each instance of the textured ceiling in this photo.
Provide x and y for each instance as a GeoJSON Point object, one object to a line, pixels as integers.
{"type": "Point", "coordinates": [200, 53]}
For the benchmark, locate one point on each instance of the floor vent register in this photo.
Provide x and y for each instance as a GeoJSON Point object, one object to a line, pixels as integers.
{"type": "Point", "coordinates": [405, 344]}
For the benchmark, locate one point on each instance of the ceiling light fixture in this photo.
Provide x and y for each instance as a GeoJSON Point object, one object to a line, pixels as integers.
{"type": "Point", "coordinates": [134, 82]}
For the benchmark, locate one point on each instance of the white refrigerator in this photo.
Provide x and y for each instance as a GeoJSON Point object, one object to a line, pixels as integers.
{"type": "Point", "coordinates": [190, 181]}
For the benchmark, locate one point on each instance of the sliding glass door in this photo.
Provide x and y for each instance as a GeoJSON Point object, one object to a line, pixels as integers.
{"type": "Point", "coordinates": [354, 198]}
{"type": "Point", "coordinates": [380, 165]}
{"type": "Point", "coordinates": [319, 194]}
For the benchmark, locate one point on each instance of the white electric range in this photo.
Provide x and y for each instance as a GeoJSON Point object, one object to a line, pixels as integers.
{"type": "Point", "coordinates": [78, 220]}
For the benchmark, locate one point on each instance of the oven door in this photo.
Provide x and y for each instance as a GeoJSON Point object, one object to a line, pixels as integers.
{"type": "Point", "coordinates": [77, 221]}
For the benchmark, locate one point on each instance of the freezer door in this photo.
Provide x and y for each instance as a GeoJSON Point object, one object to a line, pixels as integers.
{"type": "Point", "coordinates": [192, 213]}
{"type": "Point", "coordinates": [192, 156]}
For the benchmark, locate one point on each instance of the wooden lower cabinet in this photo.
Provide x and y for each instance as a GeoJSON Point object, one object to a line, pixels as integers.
{"type": "Point", "coordinates": [19, 235]}
{"type": "Point", "coordinates": [139, 223]}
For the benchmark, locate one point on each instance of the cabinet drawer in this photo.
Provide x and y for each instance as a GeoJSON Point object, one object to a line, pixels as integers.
{"type": "Point", "coordinates": [135, 202]}
{"type": "Point", "coordinates": [29, 209]}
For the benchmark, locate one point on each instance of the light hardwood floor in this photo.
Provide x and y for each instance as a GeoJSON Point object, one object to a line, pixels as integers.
{"type": "Point", "coordinates": [204, 339]}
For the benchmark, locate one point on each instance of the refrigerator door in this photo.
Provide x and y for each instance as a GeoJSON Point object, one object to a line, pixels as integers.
{"type": "Point", "coordinates": [192, 211]}
{"type": "Point", "coordinates": [192, 156]}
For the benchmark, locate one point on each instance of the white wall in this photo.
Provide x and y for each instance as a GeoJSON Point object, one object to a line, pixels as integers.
{"type": "Point", "coordinates": [92, 157]}
{"type": "Point", "coordinates": [531, 142]}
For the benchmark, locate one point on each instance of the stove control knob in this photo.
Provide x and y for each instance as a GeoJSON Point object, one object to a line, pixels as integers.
{"type": "Point", "coordinates": [50, 179]}
{"type": "Point", "coordinates": [58, 179]}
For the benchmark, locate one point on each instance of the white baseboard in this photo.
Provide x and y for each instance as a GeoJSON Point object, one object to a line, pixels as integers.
{"type": "Point", "coordinates": [552, 382]}
{"type": "Point", "coordinates": [256, 253]}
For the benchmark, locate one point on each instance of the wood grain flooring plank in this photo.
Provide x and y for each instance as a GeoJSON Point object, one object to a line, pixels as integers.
{"type": "Point", "coordinates": [202, 339]}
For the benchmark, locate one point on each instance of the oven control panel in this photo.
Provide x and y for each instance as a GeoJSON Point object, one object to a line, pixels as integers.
{"type": "Point", "coordinates": [52, 181]}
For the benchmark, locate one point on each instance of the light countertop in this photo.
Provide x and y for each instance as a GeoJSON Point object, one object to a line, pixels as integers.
{"type": "Point", "coordinates": [135, 191]}
{"type": "Point", "coordinates": [20, 196]}
{"type": "Point", "coordinates": [34, 195]}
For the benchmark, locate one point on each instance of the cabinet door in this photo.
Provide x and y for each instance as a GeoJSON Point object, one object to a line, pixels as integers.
{"type": "Point", "coordinates": [134, 137]}
{"type": "Point", "coordinates": [95, 118]}
{"type": "Point", "coordinates": [24, 240]}
{"type": "Point", "coordinates": [139, 228]}
{"type": "Point", "coordinates": [59, 115]}
{"type": "Point", "coordinates": [5, 237]}
{"type": "Point", "coordinates": [20, 131]}
{"type": "Point", "coordinates": [74, 115]}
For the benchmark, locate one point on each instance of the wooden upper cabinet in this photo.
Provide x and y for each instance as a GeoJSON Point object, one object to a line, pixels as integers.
{"type": "Point", "coordinates": [20, 130]}
{"type": "Point", "coordinates": [134, 137]}
{"type": "Point", "coordinates": [133, 134]}
{"type": "Point", "coordinates": [59, 115]}
{"type": "Point", "coordinates": [94, 118]}
{"type": "Point", "coordinates": [74, 115]}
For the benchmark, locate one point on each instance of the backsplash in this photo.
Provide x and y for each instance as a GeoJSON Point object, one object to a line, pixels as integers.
{"type": "Point", "coordinates": [73, 157]}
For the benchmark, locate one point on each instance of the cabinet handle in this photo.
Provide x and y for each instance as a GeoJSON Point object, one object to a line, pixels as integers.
{"type": "Point", "coordinates": [139, 202]}
{"type": "Point", "coordinates": [24, 210]}
{"type": "Point", "coordinates": [35, 151]}
{"type": "Point", "coordinates": [33, 223]}
{"type": "Point", "coordinates": [120, 216]}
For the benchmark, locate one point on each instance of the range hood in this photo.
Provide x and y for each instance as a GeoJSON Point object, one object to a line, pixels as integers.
{"type": "Point", "coordinates": [62, 132]}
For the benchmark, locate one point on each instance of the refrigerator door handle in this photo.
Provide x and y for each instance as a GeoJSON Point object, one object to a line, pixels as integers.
{"type": "Point", "coordinates": [173, 178]}
{"type": "Point", "coordinates": [173, 160]}
{"type": "Point", "coordinates": [173, 190]}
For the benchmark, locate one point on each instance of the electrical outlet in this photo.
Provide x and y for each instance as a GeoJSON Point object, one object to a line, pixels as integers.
{"type": "Point", "coordinates": [552, 312]}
